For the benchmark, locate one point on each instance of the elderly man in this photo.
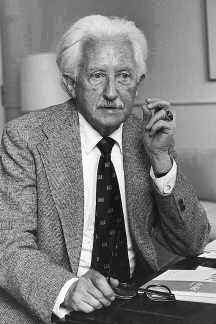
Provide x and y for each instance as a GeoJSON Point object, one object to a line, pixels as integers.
{"type": "Point", "coordinates": [90, 193]}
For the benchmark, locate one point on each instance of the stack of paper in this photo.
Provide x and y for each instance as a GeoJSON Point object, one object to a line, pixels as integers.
{"type": "Point", "coordinates": [209, 251]}
{"type": "Point", "coordinates": [191, 285]}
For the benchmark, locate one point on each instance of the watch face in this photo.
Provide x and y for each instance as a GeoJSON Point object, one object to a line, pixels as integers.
{"type": "Point", "coordinates": [125, 291]}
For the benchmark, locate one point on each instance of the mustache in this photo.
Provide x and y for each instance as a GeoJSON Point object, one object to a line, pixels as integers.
{"type": "Point", "coordinates": [116, 104]}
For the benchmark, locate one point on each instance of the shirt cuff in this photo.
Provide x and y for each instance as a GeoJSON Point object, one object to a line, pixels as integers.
{"type": "Point", "coordinates": [166, 183]}
{"type": "Point", "coordinates": [58, 310]}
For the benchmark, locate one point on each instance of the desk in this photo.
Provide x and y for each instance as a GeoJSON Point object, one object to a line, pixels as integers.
{"type": "Point", "coordinates": [141, 310]}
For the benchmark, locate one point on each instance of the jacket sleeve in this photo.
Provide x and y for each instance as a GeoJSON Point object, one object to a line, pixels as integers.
{"type": "Point", "coordinates": [27, 273]}
{"type": "Point", "coordinates": [182, 224]}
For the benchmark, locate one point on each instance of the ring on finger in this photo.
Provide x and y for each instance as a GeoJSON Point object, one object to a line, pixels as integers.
{"type": "Point", "coordinates": [169, 115]}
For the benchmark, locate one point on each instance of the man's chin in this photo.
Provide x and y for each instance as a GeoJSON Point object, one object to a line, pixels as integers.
{"type": "Point", "coordinates": [113, 119]}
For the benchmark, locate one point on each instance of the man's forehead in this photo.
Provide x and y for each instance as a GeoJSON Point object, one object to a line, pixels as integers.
{"type": "Point", "coordinates": [108, 48]}
{"type": "Point", "coordinates": [106, 40]}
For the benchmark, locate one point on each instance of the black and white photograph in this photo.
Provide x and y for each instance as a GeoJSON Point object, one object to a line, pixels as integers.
{"type": "Point", "coordinates": [107, 162]}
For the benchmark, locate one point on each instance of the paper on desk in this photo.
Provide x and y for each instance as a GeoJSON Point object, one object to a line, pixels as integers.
{"type": "Point", "coordinates": [209, 251]}
{"type": "Point", "coordinates": [189, 285]}
{"type": "Point", "coordinates": [208, 255]}
{"type": "Point", "coordinates": [199, 274]}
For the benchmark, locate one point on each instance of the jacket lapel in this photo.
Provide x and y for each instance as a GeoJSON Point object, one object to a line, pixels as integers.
{"type": "Point", "coordinates": [138, 189]}
{"type": "Point", "coordinates": [61, 155]}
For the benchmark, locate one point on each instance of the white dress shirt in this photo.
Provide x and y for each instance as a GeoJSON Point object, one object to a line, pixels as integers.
{"type": "Point", "coordinates": [90, 159]}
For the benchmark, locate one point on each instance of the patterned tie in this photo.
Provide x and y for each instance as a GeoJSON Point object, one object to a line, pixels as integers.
{"type": "Point", "coordinates": [110, 254]}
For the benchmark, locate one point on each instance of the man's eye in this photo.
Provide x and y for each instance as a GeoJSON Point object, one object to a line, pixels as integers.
{"type": "Point", "coordinates": [96, 76]}
{"type": "Point", "coordinates": [124, 77]}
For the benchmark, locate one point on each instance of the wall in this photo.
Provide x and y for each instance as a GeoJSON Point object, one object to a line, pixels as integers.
{"type": "Point", "coordinates": [1, 82]}
{"type": "Point", "coordinates": [21, 35]}
{"type": "Point", "coordinates": [177, 62]}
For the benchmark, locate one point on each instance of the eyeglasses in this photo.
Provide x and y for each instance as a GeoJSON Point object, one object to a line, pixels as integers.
{"type": "Point", "coordinates": [152, 292]}
{"type": "Point", "coordinates": [157, 293]}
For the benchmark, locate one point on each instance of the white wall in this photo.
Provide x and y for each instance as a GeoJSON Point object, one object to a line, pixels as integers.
{"type": "Point", "coordinates": [1, 82]}
{"type": "Point", "coordinates": [178, 51]}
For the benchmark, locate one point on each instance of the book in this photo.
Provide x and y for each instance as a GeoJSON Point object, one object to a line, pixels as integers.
{"type": "Point", "coordinates": [197, 285]}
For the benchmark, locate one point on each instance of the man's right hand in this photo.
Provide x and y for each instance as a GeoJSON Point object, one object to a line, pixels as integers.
{"type": "Point", "coordinates": [90, 292]}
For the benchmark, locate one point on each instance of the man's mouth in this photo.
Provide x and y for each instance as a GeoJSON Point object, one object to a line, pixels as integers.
{"type": "Point", "coordinates": [111, 107]}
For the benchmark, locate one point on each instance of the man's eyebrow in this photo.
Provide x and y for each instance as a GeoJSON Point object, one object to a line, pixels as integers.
{"type": "Point", "coordinates": [103, 68]}
{"type": "Point", "coordinates": [95, 68]}
{"type": "Point", "coordinates": [126, 68]}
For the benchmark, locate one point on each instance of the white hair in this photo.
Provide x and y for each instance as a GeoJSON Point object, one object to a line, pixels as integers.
{"type": "Point", "coordinates": [69, 50]}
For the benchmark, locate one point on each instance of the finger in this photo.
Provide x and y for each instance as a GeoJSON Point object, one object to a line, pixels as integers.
{"type": "Point", "coordinates": [97, 294]}
{"type": "Point", "coordinates": [161, 114]}
{"type": "Point", "coordinates": [146, 113]}
{"type": "Point", "coordinates": [145, 109]}
{"type": "Point", "coordinates": [114, 282]}
{"type": "Point", "coordinates": [92, 301]}
{"type": "Point", "coordinates": [83, 294]}
{"type": "Point", "coordinates": [149, 100]}
{"type": "Point", "coordinates": [166, 115]}
{"type": "Point", "coordinates": [159, 126]}
{"type": "Point", "coordinates": [82, 307]}
{"type": "Point", "coordinates": [152, 100]}
{"type": "Point", "coordinates": [158, 105]}
{"type": "Point", "coordinates": [101, 283]}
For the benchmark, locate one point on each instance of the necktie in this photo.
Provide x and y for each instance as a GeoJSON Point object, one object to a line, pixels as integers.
{"type": "Point", "coordinates": [109, 254]}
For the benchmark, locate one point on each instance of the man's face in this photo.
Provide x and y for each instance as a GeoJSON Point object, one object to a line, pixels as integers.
{"type": "Point", "coordinates": [107, 83]}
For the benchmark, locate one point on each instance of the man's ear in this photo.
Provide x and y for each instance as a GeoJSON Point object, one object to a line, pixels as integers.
{"type": "Point", "coordinates": [139, 83]}
{"type": "Point", "coordinates": [69, 85]}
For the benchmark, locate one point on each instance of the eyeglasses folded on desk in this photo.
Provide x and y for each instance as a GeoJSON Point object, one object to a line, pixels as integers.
{"type": "Point", "coordinates": [154, 292]}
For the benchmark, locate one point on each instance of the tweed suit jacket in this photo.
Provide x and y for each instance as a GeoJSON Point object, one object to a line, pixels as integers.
{"type": "Point", "coordinates": [41, 210]}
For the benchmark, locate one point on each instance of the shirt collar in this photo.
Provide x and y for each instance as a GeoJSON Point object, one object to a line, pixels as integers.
{"type": "Point", "coordinates": [90, 137]}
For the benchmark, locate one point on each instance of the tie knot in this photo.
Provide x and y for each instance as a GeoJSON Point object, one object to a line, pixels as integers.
{"type": "Point", "coordinates": [105, 145]}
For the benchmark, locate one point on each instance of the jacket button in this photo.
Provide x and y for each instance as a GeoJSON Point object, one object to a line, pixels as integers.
{"type": "Point", "coordinates": [181, 204]}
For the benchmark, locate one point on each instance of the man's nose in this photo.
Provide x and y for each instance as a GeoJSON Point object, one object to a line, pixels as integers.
{"type": "Point", "coordinates": [110, 92]}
